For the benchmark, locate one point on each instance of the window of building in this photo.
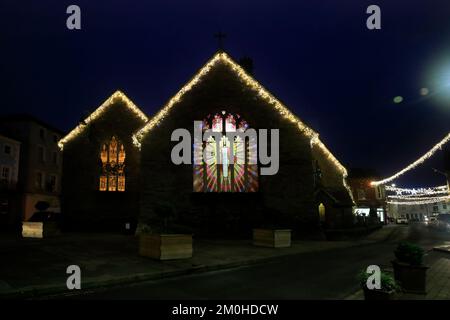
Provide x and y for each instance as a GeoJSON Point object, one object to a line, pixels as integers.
{"type": "Point", "coordinates": [4, 206]}
{"type": "Point", "coordinates": [51, 183]}
{"type": "Point", "coordinates": [361, 194]}
{"type": "Point", "coordinates": [39, 180]}
{"type": "Point", "coordinates": [6, 174]}
{"type": "Point", "coordinates": [41, 153]}
{"type": "Point", "coordinates": [7, 149]}
{"type": "Point", "coordinates": [112, 156]}
{"type": "Point", "coordinates": [380, 214]}
{"type": "Point", "coordinates": [379, 192]}
{"type": "Point", "coordinates": [42, 133]}
{"type": "Point", "coordinates": [444, 206]}
{"type": "Point", "coordinates": [230, 168]}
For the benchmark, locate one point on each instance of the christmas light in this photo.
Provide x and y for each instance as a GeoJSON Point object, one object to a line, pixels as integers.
{"type": "Point", "coordinates": [421, 201]}
{"type": "Point", "coordinates": [252, 83]}
{"type": "Point", "coordinates": [98, 112]}
{"type": "Point", "coordinates": [419, 161]}
{"type": "Point", "coordinates": [417, 191]}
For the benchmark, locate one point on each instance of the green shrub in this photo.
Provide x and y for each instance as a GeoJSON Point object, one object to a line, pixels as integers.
{"type": "Point", "coordinates": [409, 253]}
{"type": "Point", "coordinates": [42, 205]}
{"type": "Point", "coordinates": [388, 282]}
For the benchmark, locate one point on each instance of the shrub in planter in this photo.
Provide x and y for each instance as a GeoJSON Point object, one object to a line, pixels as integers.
{"type": "Point", "coordinates": [42, 223]}
{"type": "Point", "coordinates": [409, 270]}
{"type": "Point", "coordinates": [409, 253]}
{"type": "Point", "coordinates": [388, 287]}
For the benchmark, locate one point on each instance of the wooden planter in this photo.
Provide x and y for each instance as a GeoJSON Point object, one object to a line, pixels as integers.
{"type": "Point", "coordinates": [377, 295]}
{"type": "Point", "coordinates": [274, 238]}
{"type": "Point", "coordinates": [39, 229]}
{"type": "Point", "coordinates": [412, 279]}
{"type": "Point", "coordinates": [166, 246]}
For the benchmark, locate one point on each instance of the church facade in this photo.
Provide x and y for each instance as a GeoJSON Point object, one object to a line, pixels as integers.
{"type": "Point", "coordinates": [118, 167]}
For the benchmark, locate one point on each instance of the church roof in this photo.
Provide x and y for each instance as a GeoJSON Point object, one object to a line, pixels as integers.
{"type": "Point", "coordinates": [339, 197]}
{"type": "Point", "coordinates": [224, 58]}
{"type": "Point", "coordinates": [94, 115]}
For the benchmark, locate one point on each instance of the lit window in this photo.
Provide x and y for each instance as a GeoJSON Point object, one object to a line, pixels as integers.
{"type": "Point", "coordinates": [232, 166]}
{"type": "Point", "coordinates": [322, 212]}
{"type": "Point", "coordinates": [112, 157]}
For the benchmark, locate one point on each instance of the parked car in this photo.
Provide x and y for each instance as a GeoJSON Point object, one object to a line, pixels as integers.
{"type": "Point", "coordinates": [443, 222]}
{"type": "Point", "coordinates": [402, 220]}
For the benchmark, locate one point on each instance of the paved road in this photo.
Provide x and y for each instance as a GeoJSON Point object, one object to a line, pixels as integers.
{"type": "Point", "coordinates": [321, 275]}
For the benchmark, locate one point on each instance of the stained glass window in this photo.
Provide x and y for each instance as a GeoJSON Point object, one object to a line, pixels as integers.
{"type": "Point", "coordinates": [112, 156]}
{"type": "Point", "coordinates": [232, 166]}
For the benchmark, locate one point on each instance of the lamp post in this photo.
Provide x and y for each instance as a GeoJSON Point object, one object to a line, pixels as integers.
{"type": "Point", "coordinates": [445, 174]}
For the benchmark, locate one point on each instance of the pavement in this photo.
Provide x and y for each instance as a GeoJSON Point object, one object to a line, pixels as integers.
{"type": "Point", "coordinates": [438, 281]}
{"type": "Point", "coordinates": [37, 267]}
{"type": "Point", "coordinates": [437, 257]}
{"type": "Point", "coordinates": [111, 267]}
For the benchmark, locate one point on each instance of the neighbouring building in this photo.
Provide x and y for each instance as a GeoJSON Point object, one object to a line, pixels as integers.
{"type": "Point", "coordinates": [9, 173]}
{"type": "Point", "coordinates": [117, 163]}
{"type": "Point", "coordinates": [418, 211]}
{"type": "Point", "coordinates": [40, 164]}
{"type": "Point", "coordinates": [370, 200]}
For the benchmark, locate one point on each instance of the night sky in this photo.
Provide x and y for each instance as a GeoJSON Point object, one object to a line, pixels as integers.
{"type": "Point", "coordinates": [317, 57]}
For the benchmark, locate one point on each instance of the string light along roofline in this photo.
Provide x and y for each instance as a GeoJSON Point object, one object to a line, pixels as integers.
{"type": "Point", "coordinates": [223, 57]}
{"type": "Point", "coordinates": [422, 159]}
{"type": "Point", "coordinates": [98, 112]}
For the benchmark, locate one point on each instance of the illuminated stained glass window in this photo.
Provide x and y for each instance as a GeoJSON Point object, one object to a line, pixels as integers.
{"type": "Point", "coordinates": [112, 156]}
{"type": "Point", "coordinates": [224, 169]}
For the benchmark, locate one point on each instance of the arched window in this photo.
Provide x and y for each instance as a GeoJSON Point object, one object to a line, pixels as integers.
{"type": "Point", "coordinates": [322, 212]}
{"type": "Point", "coordinates": [221, 170]}
{"type": "Point", "coordinates": [112, 156]}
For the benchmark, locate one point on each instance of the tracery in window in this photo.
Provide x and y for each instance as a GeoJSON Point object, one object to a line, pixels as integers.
{"type": "Point", "coordinates": [112, 156]}
{"type": "Point", "coordinates": [220, 170]}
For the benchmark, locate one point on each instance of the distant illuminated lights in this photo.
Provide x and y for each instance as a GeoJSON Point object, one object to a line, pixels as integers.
{"type": "Point", "coordinates": [421, 201]}
{"type": "Point", "coordinates": [424, 91]}
{"type": "Point", "coordinates": [398, 99]}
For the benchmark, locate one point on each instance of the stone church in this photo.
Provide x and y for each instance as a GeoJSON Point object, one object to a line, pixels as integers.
{"type": "Point", "coordinates": [118, 169]}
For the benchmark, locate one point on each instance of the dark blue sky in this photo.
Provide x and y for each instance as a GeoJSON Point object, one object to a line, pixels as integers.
{"type": "Point", "coordinates": [316, 56]}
